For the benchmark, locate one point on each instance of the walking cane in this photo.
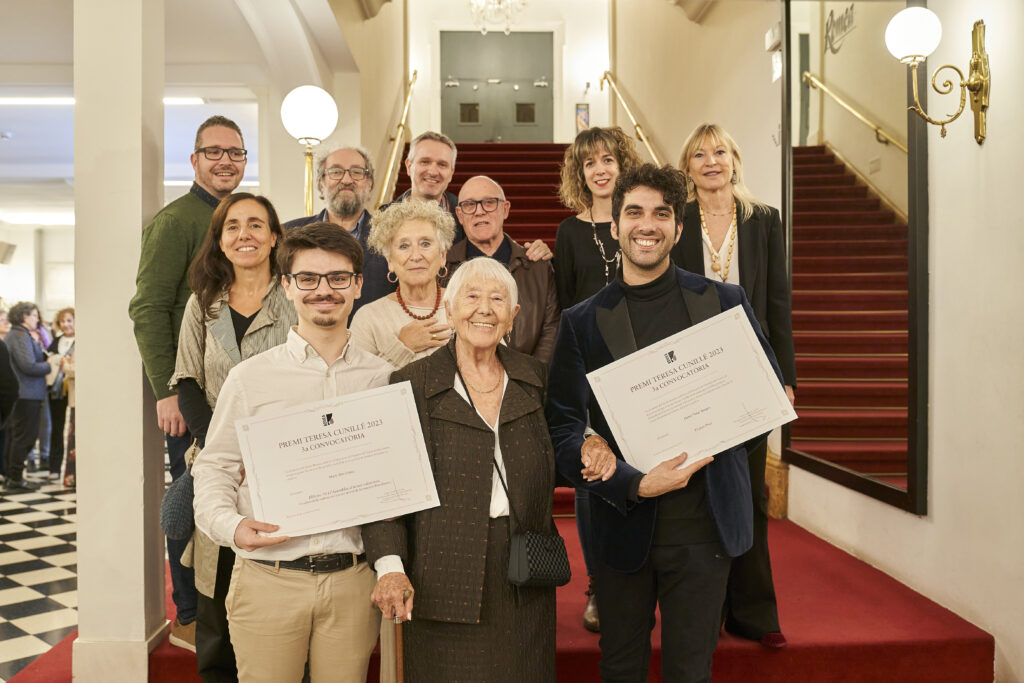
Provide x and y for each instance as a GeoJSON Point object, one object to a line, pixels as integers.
{"type": "Point", "coordinates": [399, 658]}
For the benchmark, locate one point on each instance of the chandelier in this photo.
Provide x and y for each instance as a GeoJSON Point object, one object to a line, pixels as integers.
{"type": "Point", "coordinates": [495, 12]}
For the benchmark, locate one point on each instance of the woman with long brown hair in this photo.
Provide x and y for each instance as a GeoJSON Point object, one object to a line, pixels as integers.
{"type": "Point", "coordinates": [238, 309]}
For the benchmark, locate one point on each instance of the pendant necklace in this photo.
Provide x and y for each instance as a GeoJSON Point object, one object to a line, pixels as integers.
{"type": "Point", "coordinates": [616, 259]}
{"type": "Point", "coordinates": [716, 266]}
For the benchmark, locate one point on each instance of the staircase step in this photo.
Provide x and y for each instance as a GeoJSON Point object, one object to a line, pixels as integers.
{"type": "Point", "coordinates": [895, 280]}
{"type": "Point", "coordinates": [868, 457]}
{"type": "Point", "coordinates": [818, 170]}
{"type": "Point", "coordinates": [809, 150]}
{"type": "Point", "coordinates": [830, 192]}
{"type": "Point", "coordinates": [490, 165]}
{"type": "Point", "coordinates": [867, 217]}
{"type": "Point", "coordinates": [804, 181]}
{"type": "Point", "coordinates": [892, 248]}
{"type": "Point", "coordinates": [811, 394]}
{"type": "Point", "coordinates": [497, 148]}
{"type": "Point", "coordinates": [808, 233]}
{"type": "Point", "coordinates": [823, 157]}
{"type": "Point", "coordinates": [836, 204]}
{"type": "Point", "coordinates": [850, 300]}
{"type": "Point", "coordinates": [844, 342]}
{"type": "Point", "coordinates": [850, 424]}
{"type": "Point", "coordinates": [849, 264]}
{"type": "Point", "coordinates": [849, 321]}
{"type": "Point", "coordinates": [841, 367]}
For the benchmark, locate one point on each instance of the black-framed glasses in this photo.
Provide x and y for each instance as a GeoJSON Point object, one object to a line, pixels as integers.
{"type": "Point", "coordinates": [339, 279]}
{"type": "Point", "coordinates": [216, 153]}
{"type": "Point", "coordinates": [489, 204]}
{"type": "Point", "coordinates": [356, 173]}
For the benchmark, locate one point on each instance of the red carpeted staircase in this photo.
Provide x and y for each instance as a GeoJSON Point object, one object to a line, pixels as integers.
{"type": "Point", "coordinates": [849, 320]}
{"type": "Point", "coordinates": [528, 172]}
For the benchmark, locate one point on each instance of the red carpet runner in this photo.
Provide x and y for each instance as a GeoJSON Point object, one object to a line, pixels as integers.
{"type": "Point", "coordinates": [845, 622]}
{"type": "Point", "coordinates": [849, 320]}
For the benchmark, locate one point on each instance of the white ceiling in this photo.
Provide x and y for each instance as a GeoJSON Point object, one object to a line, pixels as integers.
{"type": "Point", "coordinates": [215, 49]}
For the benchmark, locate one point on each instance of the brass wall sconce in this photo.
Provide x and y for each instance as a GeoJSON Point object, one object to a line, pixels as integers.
{"type": "Point", "coordinates": [912, 35]}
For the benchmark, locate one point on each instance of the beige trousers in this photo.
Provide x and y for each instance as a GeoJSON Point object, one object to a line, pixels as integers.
{"type": "Point", "coordinates": [279, 617]}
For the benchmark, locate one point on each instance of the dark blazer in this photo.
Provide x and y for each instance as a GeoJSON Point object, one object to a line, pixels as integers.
{"type": "Point", "coordinates": [763, 276]}
{"type": "Point", "coordinates": [444, 549]}
{"type": "Point", "coordinates": [28, 360]}
{"type": "Point", "coordinates": [375, 267]}
{"type": "Point", "coordinates": [8, 384]}
{"type": "Point", "coordinates": [594, 333]}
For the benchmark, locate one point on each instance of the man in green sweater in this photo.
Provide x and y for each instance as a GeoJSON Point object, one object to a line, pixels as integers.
{"type": "Point", "coordinates": [169, 243]}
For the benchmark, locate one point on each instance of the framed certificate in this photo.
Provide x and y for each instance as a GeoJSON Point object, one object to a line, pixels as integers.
{"type": "Point", "coordinates": [700, 391]}
{"type": "Point", "coordinates": [342, 462]}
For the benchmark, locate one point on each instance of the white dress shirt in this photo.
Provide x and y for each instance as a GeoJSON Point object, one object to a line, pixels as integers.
{"type": "Point", "coordinates": [286, 375]}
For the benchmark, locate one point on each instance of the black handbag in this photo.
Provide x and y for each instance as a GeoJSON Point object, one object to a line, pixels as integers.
{"type": "Point", "coordinates": [535, 559]}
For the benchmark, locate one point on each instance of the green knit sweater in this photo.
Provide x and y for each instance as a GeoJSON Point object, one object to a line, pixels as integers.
{"type": "Point", "coordinates": [169, 243]}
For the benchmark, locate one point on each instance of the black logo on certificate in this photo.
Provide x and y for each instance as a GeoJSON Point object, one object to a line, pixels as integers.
{"type": "Point", "coordinates": [670, 357]}
{"type": "Point", "coordinates": [328, 419]}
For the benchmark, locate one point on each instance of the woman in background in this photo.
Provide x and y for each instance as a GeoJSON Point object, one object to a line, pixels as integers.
{"type": "Point", "coordinates": [729, 236]}
{"type": "Point", "coordinates": [28, 359]}
{"type": "Point", "coordinates": [238, 309]}
{"type": "Point", "coordinates": [586, 259]}
{"type": "Point", "coordinates": [63, 345]}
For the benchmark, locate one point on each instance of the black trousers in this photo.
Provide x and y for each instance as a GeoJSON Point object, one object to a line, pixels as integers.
{"type": "Point", "coordinates": [688, 583]}
{"type": "Point", "coordinates": [22, 432]}
{"type": "Point", "coordinates": [750, 606]}
{"type": "Point", "coordinates": [214, 655]}
{"type": "Point", "coordinates": [58, 413]}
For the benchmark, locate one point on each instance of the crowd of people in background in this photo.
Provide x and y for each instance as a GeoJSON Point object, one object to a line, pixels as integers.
{"type": "Point", "coordinates": [236, 312]}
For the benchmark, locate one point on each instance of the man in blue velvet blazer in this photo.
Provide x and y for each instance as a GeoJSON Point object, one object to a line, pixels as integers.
{"type": "Point", "coordinates": [664, 537]}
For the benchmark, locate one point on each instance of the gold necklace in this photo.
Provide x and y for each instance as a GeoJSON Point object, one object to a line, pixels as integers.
{"type": "Point", "coordinates": [723, 271]}
{"type": "Point", "coordinates": [479, 391]}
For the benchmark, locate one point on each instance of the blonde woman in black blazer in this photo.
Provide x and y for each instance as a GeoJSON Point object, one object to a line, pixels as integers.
{"type": "Point", "coordinates": [729, 236]}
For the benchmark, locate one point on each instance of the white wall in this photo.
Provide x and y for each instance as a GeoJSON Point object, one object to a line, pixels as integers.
{"type": "Point", "coordinates": [967, 553]}
{"type": "Point", "coordinates": [42, 269]}
{"type": "Point", "coordinates": [580, 30]}
{"type": "Point", "coordinates": [677, 75]}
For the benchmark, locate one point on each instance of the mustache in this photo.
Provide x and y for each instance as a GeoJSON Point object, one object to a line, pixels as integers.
{"type": "Point", "coordinates": [317, 298]}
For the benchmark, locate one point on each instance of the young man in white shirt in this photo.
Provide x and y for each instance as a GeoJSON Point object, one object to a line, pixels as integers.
{"type": "Point", "coordinates": [307, 596]}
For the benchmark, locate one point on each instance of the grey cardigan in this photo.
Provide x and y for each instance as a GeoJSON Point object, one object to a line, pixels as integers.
{"type": "Point", "coordinates": [29, 363]}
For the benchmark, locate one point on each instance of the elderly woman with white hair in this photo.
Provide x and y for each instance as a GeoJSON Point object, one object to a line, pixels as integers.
{"type": "Point", "coordinates": [413, 237]}
{"type": "Point", "coordinates": [481, 409]}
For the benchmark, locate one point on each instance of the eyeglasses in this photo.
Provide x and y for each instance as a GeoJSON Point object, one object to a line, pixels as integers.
{"type": "Point", "coordinates": [356, 173]}
{"type": "Point", "coordinates": [216, 153]}
{"type": "Point", "coordinates": [489, 204]}
{"type": "Point", "coordinates": [339, 279]}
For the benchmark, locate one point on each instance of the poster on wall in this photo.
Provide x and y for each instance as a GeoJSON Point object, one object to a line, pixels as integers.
{"type": "Point", "coordinates": [582, 117]}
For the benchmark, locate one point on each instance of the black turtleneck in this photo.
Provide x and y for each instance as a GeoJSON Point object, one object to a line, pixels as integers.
{"type": "Point", "coordinates": [657, 311]}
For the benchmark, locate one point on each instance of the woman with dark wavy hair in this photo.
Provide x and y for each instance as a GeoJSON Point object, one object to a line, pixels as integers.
{"type": "Point", "coordinates": [28, 360]}
{"type": "Point", "coordinates": [587, 258]}
{"type": "Point", "coordinates": [238, 309]}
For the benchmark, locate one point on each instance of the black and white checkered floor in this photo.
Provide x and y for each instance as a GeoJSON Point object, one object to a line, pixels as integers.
{"type": "Point", "coordinates": [38, 573]}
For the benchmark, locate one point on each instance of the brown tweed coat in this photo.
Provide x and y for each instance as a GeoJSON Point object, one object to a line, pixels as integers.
{"type": "Point", "coordinates": [444, 549]}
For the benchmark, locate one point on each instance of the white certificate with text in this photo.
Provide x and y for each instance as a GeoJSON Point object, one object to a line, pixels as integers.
{"type": "Point", "coordinates": [700, 391]}
{"type": "Point", "coordinates": [337, 463]}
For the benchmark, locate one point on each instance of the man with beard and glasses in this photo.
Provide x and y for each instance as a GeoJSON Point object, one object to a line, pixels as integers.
{"type": "Point", "coordinates": [344, 176]}
{"type": "Point", "coordinates": [169, 244]}
{"type": "Point", "coordinates": [302, 597]}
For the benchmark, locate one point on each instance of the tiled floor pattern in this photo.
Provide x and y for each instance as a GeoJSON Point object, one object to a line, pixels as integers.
{"type": "Point", "coordinates": [38, 573]}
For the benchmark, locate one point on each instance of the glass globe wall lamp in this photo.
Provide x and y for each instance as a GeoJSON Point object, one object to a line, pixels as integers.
{"type": "Point", "coordinates": [912, 35]}
{"type": "Point", "coordinates": [309, 114]}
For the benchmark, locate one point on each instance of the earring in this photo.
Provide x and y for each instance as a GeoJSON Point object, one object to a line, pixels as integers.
{"type": "Point", "coordinates": [391, 274]}
{"type": "Point", "coordinates": [734, 179]}
{"type": "Point", "coordinates": [690, 185]}
{"type": "Point", "coordinates": [443, 275]}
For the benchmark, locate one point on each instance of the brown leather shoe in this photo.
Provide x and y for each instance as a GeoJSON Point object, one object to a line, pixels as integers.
{"type": "Point", "coordinates": [591, 621]}
{"type": "Point", "coordinates": [184, 635]}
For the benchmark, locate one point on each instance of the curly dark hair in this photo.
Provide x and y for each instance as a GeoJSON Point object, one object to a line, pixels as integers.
{"type": "Point", "coordinates": [211, 272]}
{"type": "Point", "coordinates": [573, 191]}
{"type": "Point", "coordinates": [669, 181]}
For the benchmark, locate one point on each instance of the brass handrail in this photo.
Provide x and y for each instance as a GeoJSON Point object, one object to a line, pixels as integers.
{"type": "Point", "coordinates": [636, 126]}
{"type": "Point", "coordinates": [396, 142]}
{"type": "Point", "coordinates": [880, 133]}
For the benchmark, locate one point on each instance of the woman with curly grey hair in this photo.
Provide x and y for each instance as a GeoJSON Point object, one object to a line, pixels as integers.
{"type": "Point", "coordinates": [28, 359]}
{"type": "Point", "coordinates": [414, 238]}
